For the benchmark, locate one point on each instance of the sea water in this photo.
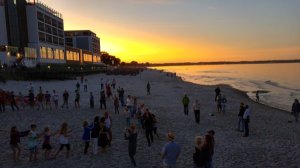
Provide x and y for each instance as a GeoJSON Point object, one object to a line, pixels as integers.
{"type": "Point", "coordinates": [281, 80]}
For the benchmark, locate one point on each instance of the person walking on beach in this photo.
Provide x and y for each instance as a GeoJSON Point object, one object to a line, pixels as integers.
{"type": "Point", "coordinates": [223, 103]}
{"type": "Point", "coordinates": [131, 136]}
{"type": "Point", "coordinates": [148, 88]}
{"type": "Point", "coordinates": [257, 96]}
{"type": "Point", "coordinates": [85, 85]}
{"type": "Point", "coordinates": [40, 100]}
{"type": "Point", "coordinates": [296, 109]}
{"type": "Point", "coordinates": [246, 118]}
{"type": "Point", "coordinates": [55, 99]}
{"type": "Point", "coordinates": [170, 151]}
{"type": "Point", "coordinates": [13, 103]}
{"type": "Point", "coordinates": [31, 99]}
{"type": "Point", "coordinates": [46, 143]}
{"type": "Point", "coordinates": [217, 91]}
{"type": "Point", "coordinates": [113, 84]}
{"type": "Point", "coordinates": [86, 137]}
{"type": "Point", "coordinates": [91, 100]}
{"type": "Point", "coordinates": [78, 86]}
{"type": "Point", "coordinates": [121, 96]}
{"type": "Point", "coordinates": [15, 136]}
{"type": "Point", "coordinates": [196, 108]}
{"type": "Point", "coordinates": [95, 134]}
{"type": "Point", "coordinates": [33, 142]}
{"type": "Point", "coordinates": [116, 104]}
{"type": "Point", "coordinates": [103, 139]}
{"type": "Point", "coordinates": [148, 123]}
{"type": "Point", "coordinates": [108, 125]}
{"type": "Point", "coordinates": [200, 155]}
{"type": "Point", "coordinates": [48, 100]}
{"type": "Point", "coordinates": [185, 102]}
{"type": "Point", "coordinates": [64, 134]}
{"type": "Point", "coordinates": [77, 99]}
{"type": "Point", "coordinates": [219, 103]}
{"type": "Point", "coordinates": [209, 147]}
{"type": "Point", "coordinates": [66, 99]}
{"type": "Point", "coordinates": [102, 100]}
{"type": "Point", "coordinates": [241, 120]}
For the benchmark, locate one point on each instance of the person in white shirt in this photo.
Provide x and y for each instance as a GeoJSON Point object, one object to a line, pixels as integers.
{"type": "Point", "coordinates": [246, 118]}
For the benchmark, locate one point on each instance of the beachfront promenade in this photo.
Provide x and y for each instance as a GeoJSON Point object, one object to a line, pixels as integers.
{"type": "Point", "coordinates": [272, 142]}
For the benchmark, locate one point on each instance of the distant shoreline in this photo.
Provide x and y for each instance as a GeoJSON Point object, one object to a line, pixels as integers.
{"type": "Point", "coordinates": [225, 63]}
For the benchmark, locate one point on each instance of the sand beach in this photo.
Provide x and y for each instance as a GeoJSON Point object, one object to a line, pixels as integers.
{"type": "Point", "coordinates": [273, 140]}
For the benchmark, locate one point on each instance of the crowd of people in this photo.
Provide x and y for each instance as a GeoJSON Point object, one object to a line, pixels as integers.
{"type": "Point", "coordinates": [98, 134]}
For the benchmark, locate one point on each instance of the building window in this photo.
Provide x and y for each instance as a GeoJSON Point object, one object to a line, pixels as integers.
{"type": "Point", "coordinates": [48, 38]}
{"type": "Point", "coordinates": [42, 37]}
{"type": "Point", "coordinates": [56, 54]}
{"type": "Point", "coordinates": [40, 16]}
{"type": "Point", "coordinates": [49, 53]}
{"type": "Point", "coordinates": [43, 52]}
{"type": "Point", "coordinates": [61, 54]}
{"type": "Point", "coordinates": [41, 26]}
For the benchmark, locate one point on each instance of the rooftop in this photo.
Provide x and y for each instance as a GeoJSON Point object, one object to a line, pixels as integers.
{"type": "Point", "coordinates": [44, 7]}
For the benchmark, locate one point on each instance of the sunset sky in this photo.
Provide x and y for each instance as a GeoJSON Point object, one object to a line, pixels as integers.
{"type": "Point", "coordinates": [188, 30]}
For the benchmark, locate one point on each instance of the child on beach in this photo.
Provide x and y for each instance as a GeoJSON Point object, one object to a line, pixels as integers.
{"type": "Point", "coordinates": [46, 143]}
{"type": "Point", "coordinates": [33, 142]}
{"type": "Point", "coordinates": [64, 139]}
{"type": "Point", "coordinates": [15, 136]}
{"type": "Point", "coordinates": [224, 101]}
{"type": "Point", "coordinates": [86, 137]}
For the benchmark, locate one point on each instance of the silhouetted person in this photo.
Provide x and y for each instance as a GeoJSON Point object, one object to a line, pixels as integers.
{"type": "Point", "coordinates": [217, 91]}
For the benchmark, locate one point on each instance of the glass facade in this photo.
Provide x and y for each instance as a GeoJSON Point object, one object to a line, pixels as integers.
{"type": "Point", "coordinates": [87, 57]}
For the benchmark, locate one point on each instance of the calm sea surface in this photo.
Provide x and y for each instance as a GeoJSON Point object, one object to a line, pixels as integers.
{"type": "Point", "coordinates": [281, 80]}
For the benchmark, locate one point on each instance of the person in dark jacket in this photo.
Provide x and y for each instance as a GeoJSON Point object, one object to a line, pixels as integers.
{"type": "Point", "coordinates": [15, 136]}
{"type": "Point", "coordinates": [102, 100]}
{"type": "Point", "coordinates": [148, 124]}
{"type": "Point", "coordinates": [296, 109]}
{"type": "Point", "coordinates": [95, 134]}
{"type": "Point", "coordinates": [148, 88]}
{"type": "Point", "coordinates": [241, 120]}
{"type": "Point", "coordinates": [217, 91]}
{"type": "Point", "coordinates": [131, 136]}
{"type": "Point", "coordinates": [13, 101]}
{"type": "Point", "coordinates": [185, 102]}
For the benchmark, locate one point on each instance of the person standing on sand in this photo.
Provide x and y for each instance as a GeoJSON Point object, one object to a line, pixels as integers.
{"type": "Point", "coordinates": [148, 122]}
{"type": "Point", "coordinates": [148, 88]}
{"type": "Point", "coordinates": [48, 100]}
{"type": "Point", "coordinates": [13, 101]}
{"type": "Point", "coordinates": [85, 85]}
{"type": "Point", "coordinates": [241, 120]}
{"type": "Point", "coordinates": [209, 146]}
{"type": "Point", "coordinates": [246, 118]}
{"type": "Point", "coordinates": [116, 104]}
{"type": "Point", "coordinates": [102, 99]}
{"type": "Point", "coordinates": [223, 103]}
{"type": "Point", "coordinates": [77, 99]}
{"type": "Point", "coordinates": [199, 154]}
{"type": "Point", "coordinates": [55, 99]}
{"type": "Point", "coordinates": [95, 134]}
{"type": "Point", "coordinates": [66, 99]}
{"type": "Point", "coordinates": [64, 139]}
{"type": "Point", "coordinates": [185, 102]}
{"type": "Point", "coordinates": [217, 91]}
{"type": "Point", "coordinates": [91, 100]}
{"type": "Point", "coordinates": [296, 109]}
{"type": "Point", "coordinates": [196, 108]}
{"type": "Point", "coordinates": [131, 136]}
{"type": "Point", "coordinates": [257, 96]}
{"type": "Point", "coordinates": [40, 100]}
{"type": "Point", "coordinates": [15, 136]}
{"type": "Point", "coordinates": [33, 142]}
{"type": "Point", "coordinates": [219, 103]}
{"type": "Point", "coordinates": [170, 152]}
{"type": "Point", "coordinates": [86, 136]}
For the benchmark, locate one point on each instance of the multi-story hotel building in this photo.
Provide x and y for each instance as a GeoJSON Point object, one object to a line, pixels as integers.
{"type": "Point", "coordinates": [46, 33]}
{"type": "Point", "coordinates": [85, 40]}
{"type": "Point", "coordinates": [35, 32]}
